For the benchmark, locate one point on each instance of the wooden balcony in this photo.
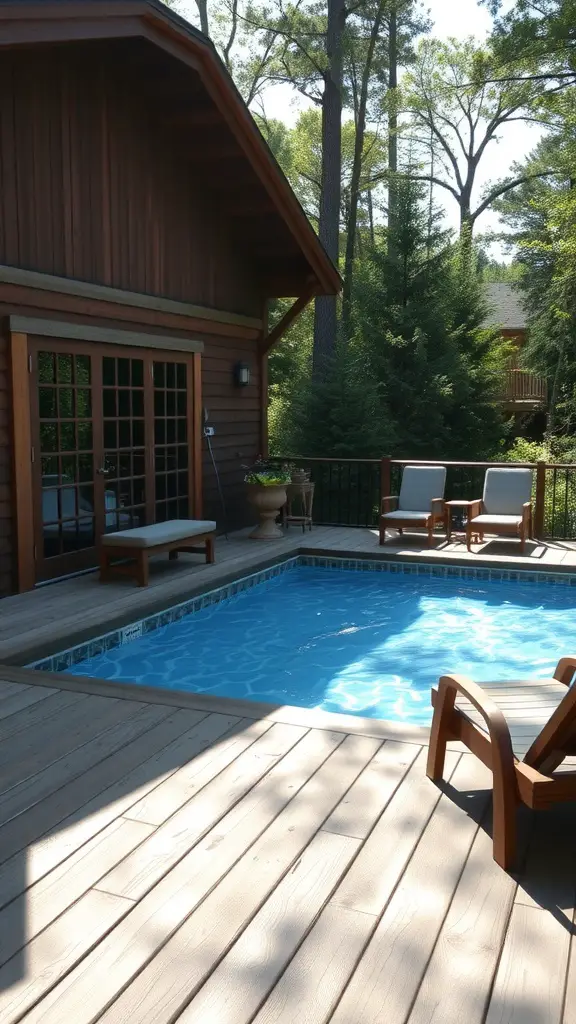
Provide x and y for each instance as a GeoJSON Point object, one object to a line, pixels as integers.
{"type": "Point", "coordinates": [524, 391]}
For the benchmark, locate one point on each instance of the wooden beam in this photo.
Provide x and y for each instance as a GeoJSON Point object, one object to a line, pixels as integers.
{"type": "Point", "coordinates": [22, 462]}
{"type": "Point", "coordinates": [287, 320]}
{"type": "Point", "coordinates": [106, 335]}
{"type": "Point", "coordinates": [86, 290]}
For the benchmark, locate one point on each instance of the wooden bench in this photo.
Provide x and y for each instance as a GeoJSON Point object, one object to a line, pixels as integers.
{"type": "Point", "coordinates": [137, 545]}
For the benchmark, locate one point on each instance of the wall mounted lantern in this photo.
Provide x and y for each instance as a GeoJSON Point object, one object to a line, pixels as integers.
{"type": "Point", "coordinates": [242, 375]}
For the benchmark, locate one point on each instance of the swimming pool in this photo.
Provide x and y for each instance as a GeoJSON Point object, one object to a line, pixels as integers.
{"type": "Point", "coordinates": [364, 643]}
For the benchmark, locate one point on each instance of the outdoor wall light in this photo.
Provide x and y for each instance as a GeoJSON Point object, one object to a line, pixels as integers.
{"type": "Point", "coordinates": [242, 375]}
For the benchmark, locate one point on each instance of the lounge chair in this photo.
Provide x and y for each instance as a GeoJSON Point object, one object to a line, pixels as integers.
{"type": "Point", "coordinates": [421, 501]}
{"type": "Point", "coordinates": [523, 730]}
{"type": "Point", "coordinates": [505, 507]}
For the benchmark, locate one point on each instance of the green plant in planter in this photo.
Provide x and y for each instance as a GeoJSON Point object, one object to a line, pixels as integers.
{"type": "Point", "coordinates": [267, 474]}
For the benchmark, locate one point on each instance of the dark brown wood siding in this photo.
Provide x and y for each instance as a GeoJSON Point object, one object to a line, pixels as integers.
{"type": "Point", "coordinates": [95, 185]}
{"type": "Point", "coordinates": [235, 415]}
{"type": "Point", "coordinates": [233, 412]}
{"type": "Point", "coordinates": [6, 526]}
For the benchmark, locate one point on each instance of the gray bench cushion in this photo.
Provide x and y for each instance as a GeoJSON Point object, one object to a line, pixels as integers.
{"type": "Point", "coordinates": [159, 533]}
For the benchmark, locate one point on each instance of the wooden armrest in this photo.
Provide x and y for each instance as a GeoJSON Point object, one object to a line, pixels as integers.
{"type": "Point", "coordinates": [440, 502]}
{"type": "Point", "coordinates": [474, 508]}
{"type": "Point", "coordinates": [565, 669]}
{"type": "Point", "coordinates": [392, 499]}
{"type": "Point", "coordinates": [497, 727]}
{"type": "Point", "coordinates": [526, 511]}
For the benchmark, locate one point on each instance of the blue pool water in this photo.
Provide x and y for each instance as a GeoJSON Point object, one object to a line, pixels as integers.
{"type": "Point", "coordinates": [360, 643]}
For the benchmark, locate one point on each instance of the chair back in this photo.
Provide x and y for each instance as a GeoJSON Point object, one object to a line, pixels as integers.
{"type": "Point", "coordinates": [419, 485]}
{"type": "Point", "coordinates": [557, 736]}
{"type": "Point", "coordinates": [506, 490]}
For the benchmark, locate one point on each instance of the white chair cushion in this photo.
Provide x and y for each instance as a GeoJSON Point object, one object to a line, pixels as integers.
{"type": "Point", "coordinates": [506, 490]}
{"type": "Point", "coordinates": [159, 533]}
{"type": "Point", "coordinates": [486, 520]}
{"type": "Point", "coordinates": [419, 485]}
{"type": "Point", "coordinates": [419, 517]}
{"type": "Point", "coordinates": [527, 705]}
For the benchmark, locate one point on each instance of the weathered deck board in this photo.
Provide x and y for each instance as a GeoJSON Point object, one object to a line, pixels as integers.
{"type": "Point", "coordinates": [388, 975]}
{"type": "Point", "coordinates": [180, 865]}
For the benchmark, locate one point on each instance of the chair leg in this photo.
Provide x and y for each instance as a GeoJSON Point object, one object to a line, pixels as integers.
{"type": "Point", "coordinates": [440, 732]}
{"type": "Point", "coordinates": [522, 539]}
{"type": "Point", "coordinates": [430, 533]}
{"type": "Point", "coordinates": [469, 536]}
{"type": "Point", "coordinates": [382, 536]}
{"type": "Point", "coordinates": [504, 827]}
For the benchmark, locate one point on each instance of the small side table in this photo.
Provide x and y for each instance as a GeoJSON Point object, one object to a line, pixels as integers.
{"type": "Point", "coordinates": [301, 496]}
{"type": "Point", "coordinates": [450, 507]}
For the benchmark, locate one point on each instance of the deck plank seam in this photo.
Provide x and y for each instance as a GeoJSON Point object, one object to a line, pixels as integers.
{"type": "Point", "coordinates": [378, 917]}
{"type": "Point", "coordinates": [73, 777]}
{"type": "Point", "coordinates": [78, 811]}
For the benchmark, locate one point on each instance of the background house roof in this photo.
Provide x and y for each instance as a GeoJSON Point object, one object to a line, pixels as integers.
{"type": "Point", "coordinates": [506, 309]}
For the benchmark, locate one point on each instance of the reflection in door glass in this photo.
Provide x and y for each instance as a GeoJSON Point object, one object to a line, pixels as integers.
{"type": "Point", "coordinates": [124, 442]}
{"type": "Point", "coordinates": [171, 452]}
{"type": "Point", "coordinates": [65, 430]}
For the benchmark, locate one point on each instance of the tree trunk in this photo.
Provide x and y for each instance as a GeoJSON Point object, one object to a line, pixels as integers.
{"type": "Point", "coordinates": [357, 172]}
{"type": "Point", "coordinates": [371, 218]}
{"type": "Point", "coordinates": [202, 6]}
{"type": "Point", "coordinates": [551, 418]}
{"type": "Point", "coordinates": [325, 310]}
{"type": "Point", "coordinates": [392, 129]}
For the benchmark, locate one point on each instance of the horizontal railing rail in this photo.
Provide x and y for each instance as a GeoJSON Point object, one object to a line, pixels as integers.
{"type": "Point", "coordinates": [348, 492]}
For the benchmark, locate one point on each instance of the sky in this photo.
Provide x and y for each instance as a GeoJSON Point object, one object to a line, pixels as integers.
{"type": "Point", "coordinates": [451, 18]}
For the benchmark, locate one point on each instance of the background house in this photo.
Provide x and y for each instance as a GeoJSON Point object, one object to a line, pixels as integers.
{"type": "Point", "coordinates": [144, 225]}
{"type": "Point", "coordinates": [523, 392]}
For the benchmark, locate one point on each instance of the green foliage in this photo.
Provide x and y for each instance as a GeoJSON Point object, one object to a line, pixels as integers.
{"type": "Point", "coordinates": [420, 373]}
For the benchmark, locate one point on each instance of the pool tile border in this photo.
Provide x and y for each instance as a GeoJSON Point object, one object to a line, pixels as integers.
{"type": "Point", "coordinates": [115, 638]}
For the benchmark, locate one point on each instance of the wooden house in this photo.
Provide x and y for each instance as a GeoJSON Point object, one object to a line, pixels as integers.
{"type": "Point", "coordinates": [523, 393]}
{"type": "Point", "coordinates": [144, 227]}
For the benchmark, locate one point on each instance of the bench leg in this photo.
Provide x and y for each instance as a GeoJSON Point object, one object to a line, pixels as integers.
{"type": "Point", "coordinates": [105, 567]}
{"type": "Point", "coordinates": [142, 569]}
{"type": "Point", "coordinates": [210, 550]}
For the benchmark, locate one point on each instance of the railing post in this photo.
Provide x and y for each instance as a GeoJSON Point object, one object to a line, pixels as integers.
{"type": "Point", "coordinates": [540, 499]}
{"type": "Point", "coordinates": [385, 478]}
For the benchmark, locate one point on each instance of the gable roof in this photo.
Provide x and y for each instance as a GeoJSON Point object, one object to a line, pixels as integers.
{"type": "Point", "coordinates": [505, 307]}
{"type": "Point", "coordinates": [38, 22]}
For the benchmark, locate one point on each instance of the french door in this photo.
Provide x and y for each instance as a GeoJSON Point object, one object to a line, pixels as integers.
{"type": "Point", "coordinates": [113, 437]}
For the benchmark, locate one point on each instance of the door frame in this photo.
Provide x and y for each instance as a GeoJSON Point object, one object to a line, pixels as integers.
{"type": "Point", "coordinates": [20, 376]}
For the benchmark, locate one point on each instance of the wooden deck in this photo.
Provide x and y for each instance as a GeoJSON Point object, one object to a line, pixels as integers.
{"type": "Point", "coordinates": [163, 864]}
{"type": "Point", "coordinates": [53, 617]}
{"type": "Point", "coordinates": [177, 858]}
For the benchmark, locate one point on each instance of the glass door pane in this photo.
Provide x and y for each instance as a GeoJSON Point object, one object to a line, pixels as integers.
{"type": "Point", "coordinates": [171, 440]}
{"type": "Point", "coordinates": [65, 434]}
{"type": "Point", "coordinates": [124, 435]}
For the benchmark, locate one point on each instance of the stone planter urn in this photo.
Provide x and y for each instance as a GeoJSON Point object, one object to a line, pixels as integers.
{"type": "Point", "coordinates": [268, 501]}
